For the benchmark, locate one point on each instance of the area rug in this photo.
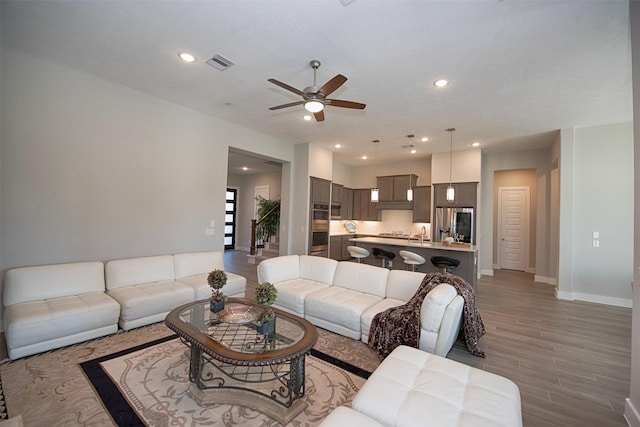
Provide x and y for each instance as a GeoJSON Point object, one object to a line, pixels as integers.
{"type": "Point", "coordinates": [150, 387]}
{"type": "Point", "coordinates": [51, 389]}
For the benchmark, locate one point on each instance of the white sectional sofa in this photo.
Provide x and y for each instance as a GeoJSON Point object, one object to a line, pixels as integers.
{"type": "Point", "coordinates": [412, 388]}
{"type": "Point", "coordinates": [52, 306]}
{"type": "Point", "coordinates": [343, 297]}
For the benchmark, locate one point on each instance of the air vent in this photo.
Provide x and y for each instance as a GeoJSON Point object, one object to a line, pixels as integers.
{"type": "Point", "coordinates": [220, 62]}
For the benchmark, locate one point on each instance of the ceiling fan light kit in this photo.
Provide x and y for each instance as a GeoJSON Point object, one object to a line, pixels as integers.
{"type": "Point", "coordinates": [314, 99]}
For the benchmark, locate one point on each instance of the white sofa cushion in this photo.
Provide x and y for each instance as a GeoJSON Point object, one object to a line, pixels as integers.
{"type": "Point", "coordinates": [292, 294]}
{"type": "Point", "coordinates": [317, 269]}
{"type": "Point", "coordinates": [51, 281]}
{"type": "Point", "coordinates": [279, 269]}
{"type": "Point", "coordinates": [402, 284]}
{"type": "Point", "coordinates": [338, 309]}
{"type": "Point", "coordinates": [193, 269]}
{"type": "Point", "coordinates": [150, 302]}
{"type": "Point", "coordinates": [236, 285]}
{"type": "Point", "coordinates": [135, 271]}
{"type": "Point", "coordinates": [361, 278]}
{"type": "Point", "coordinates": [193, 263]}
{"type": "Point", "coordinates": [41, 323]}
{"type": "Point", "coordinates": [344, 416]}
{"type": "Point", "coordinates": [414, 388]}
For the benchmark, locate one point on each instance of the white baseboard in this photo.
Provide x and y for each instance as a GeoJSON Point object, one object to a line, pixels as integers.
{"type": "Point", "coordinates": [242, 248]}
{"type": "Point", "coordinates": [598, 299]}
{"type": "Point", "coordinates": [545, 279]}
{"type": "Point", "coordinates": [486, 272]}
{"type": "Point", "coordinates": [631, 414]}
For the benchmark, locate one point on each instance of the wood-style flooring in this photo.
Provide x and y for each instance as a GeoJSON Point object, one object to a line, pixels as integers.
{"type": "Point", "coordinates": [571, 360]}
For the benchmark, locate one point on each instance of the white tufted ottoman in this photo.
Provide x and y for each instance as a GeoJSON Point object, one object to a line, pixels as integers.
{"type": "Point", "coordinates": [415, 388]}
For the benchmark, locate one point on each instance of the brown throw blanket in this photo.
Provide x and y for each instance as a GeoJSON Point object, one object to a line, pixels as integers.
{"type": "Point", "coordinates": [401, 325]}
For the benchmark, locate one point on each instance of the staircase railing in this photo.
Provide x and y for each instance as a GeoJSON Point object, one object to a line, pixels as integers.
{"type": "Point", "coordinates": [254, 226]}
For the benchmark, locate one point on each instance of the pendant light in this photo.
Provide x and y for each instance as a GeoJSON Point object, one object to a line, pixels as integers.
{"type": "Point", "coordinates": [410, 190]}
{"type": "Point", "coordinates": [451, 193]}
{"type": "Point", "coordinates": [374, 191]}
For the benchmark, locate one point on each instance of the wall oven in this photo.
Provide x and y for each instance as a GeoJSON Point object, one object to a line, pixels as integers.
{"type": "Point", "coordinates": [319, 243]}
{"type": "Point", "coordinates": [319, 217]}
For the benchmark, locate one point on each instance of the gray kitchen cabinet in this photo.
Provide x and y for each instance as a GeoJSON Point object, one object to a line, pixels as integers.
{"type": "Point", "coordinates": [394, 188]}
{"type": "Point", "coordinates": [335, 247]}
{"type": "Point", "coordinates": [422, 204]}
{"type": "Point", "coordinates": [465, 195]}
{"type": "Point", "coordinates": [347, 203]}
{"type": "Point", "coordinates": [363, 208]}
{"type": "Point", "coordinates": [320, 190]}
{"type": "Point", "coordinates": [337, 191]}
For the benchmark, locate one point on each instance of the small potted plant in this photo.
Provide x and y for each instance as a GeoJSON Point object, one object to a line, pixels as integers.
{"type": "Point", "coordinates": [266, 295]}
{"type": "Point", "coordinates": [217, 279]}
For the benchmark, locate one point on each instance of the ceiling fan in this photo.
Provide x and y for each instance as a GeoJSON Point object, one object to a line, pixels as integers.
{"type": "Point", "coordinates": [315, 98]}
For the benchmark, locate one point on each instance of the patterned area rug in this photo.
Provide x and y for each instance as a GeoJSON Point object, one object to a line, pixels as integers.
{"type": "Point", "coordinates": [51, 389]}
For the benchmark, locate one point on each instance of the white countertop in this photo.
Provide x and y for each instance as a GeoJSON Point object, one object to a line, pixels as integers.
{"type": "Point", "coordinates": [416, 244]}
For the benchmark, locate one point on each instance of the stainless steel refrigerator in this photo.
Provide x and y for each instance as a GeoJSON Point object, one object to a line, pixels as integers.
{"type": "Point", "coordinates": [454, 222]}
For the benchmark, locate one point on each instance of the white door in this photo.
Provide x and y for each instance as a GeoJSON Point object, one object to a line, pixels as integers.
{"type": "Point", "coordinates": [513, 220]}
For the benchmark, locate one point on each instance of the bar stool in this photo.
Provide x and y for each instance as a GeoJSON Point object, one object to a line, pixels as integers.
{"type": "Point", "coordinates": [385, 256]}
{"type": "Point", "coordinates": [412, 259]}
{"type": "Point", "coordinates": [445, 263]}
{"type": "Point", "coordinates": [358, 253]}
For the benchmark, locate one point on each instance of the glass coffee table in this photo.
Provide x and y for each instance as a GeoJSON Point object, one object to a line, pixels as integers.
{"type": "Point", "coordinates": [231, 362]}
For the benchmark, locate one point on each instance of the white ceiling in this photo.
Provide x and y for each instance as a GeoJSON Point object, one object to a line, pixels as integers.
{"type": "Point", "coordinates": [519, 70]}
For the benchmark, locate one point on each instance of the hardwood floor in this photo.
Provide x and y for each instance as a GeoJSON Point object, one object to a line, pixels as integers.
{"type": "Point", "coordinates": [571, 360]}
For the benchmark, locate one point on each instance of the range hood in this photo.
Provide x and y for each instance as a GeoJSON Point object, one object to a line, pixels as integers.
{"type": "Point", "coordinates": [397, 206]}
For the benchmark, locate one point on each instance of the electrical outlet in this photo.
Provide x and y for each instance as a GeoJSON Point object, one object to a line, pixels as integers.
{"type": "Point", "coordinates": [596, 234]}
{"type": "Point", "coordinates": [209, 231]}
{"type": "Point", "coordinates": [596, 243]}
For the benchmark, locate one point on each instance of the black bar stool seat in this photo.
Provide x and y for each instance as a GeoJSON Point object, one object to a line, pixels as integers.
{"type": "Point", "coordinates": [445, 263]}
{"type": "Point", "coordinates": [384, 255]}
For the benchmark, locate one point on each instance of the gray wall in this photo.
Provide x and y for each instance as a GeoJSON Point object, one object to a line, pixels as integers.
{"type": "Point", "coordinates": [93, 170]}
{"type": "Point", "coordinates": [596, 194]}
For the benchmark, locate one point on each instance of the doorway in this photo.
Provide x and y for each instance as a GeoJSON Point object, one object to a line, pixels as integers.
{"type": "Point", "coordinates": [231, 207]}
{"type": "Point", "coordinates": [513, 228]}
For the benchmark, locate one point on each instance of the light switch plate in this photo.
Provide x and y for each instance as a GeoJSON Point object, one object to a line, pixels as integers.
{"type": "Point", "coordinates": [596, 234]}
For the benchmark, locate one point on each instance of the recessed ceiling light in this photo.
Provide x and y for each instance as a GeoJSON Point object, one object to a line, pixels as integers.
{"type": "Point", "coordinates": [414, 151]}
{"type": "Point", "coordinates": [475, 144]}
{"type": "Point", "coordinates": [441, 83]}
{"type": "Point", "coordinates": [307, 117]}
{"type": "Point", "coordinates": [364, 157]}
{"type": "Point", "coordinates": [244, 168]}
{"type": "Point", "coordinates": [187, 57]}
{"type": "Point", "coordinates": [424, 139]}
{"type": "Point", "coordinates": [338, 145]}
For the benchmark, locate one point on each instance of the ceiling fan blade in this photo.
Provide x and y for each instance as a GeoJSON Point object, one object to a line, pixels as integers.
{"type": "Point", "coordinates": [291, 104]}
{"type": "Point", "coordinates": [287, 87]}
{"type": "Point", "coordinates": [332, 85]}
{"type": "Point", "coordinates": [345, 104]}
{"type": "Point", "coordinates": [319, 116]}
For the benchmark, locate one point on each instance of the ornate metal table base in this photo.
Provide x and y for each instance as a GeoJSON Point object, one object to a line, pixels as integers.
{"type": "Point", "coordinates": [275, 390]}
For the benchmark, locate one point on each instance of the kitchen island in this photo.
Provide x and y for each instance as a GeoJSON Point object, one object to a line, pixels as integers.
{"type": "Point", "coordinates": [465, 253]}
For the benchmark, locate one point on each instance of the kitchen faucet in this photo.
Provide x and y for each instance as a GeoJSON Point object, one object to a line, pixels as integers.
{"type": "Point", "coordinates": [423, 231]}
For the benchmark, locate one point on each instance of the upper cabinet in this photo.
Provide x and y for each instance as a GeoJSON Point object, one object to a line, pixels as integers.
{"type": "Point", "coordinates": [363, 208]}
{"type": "Point", "coordinates": [320, 190]}
{"type": "Point", "coordinates": [422, 204]}
{"type": "Point", "coordinates": [393, 191]}
{"type": "Point", "coordinates": [394, 188]}
{"type": "Point", "coordinates": [337, 191]}
{"type": "Point", "coordinates": [465, 195]}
